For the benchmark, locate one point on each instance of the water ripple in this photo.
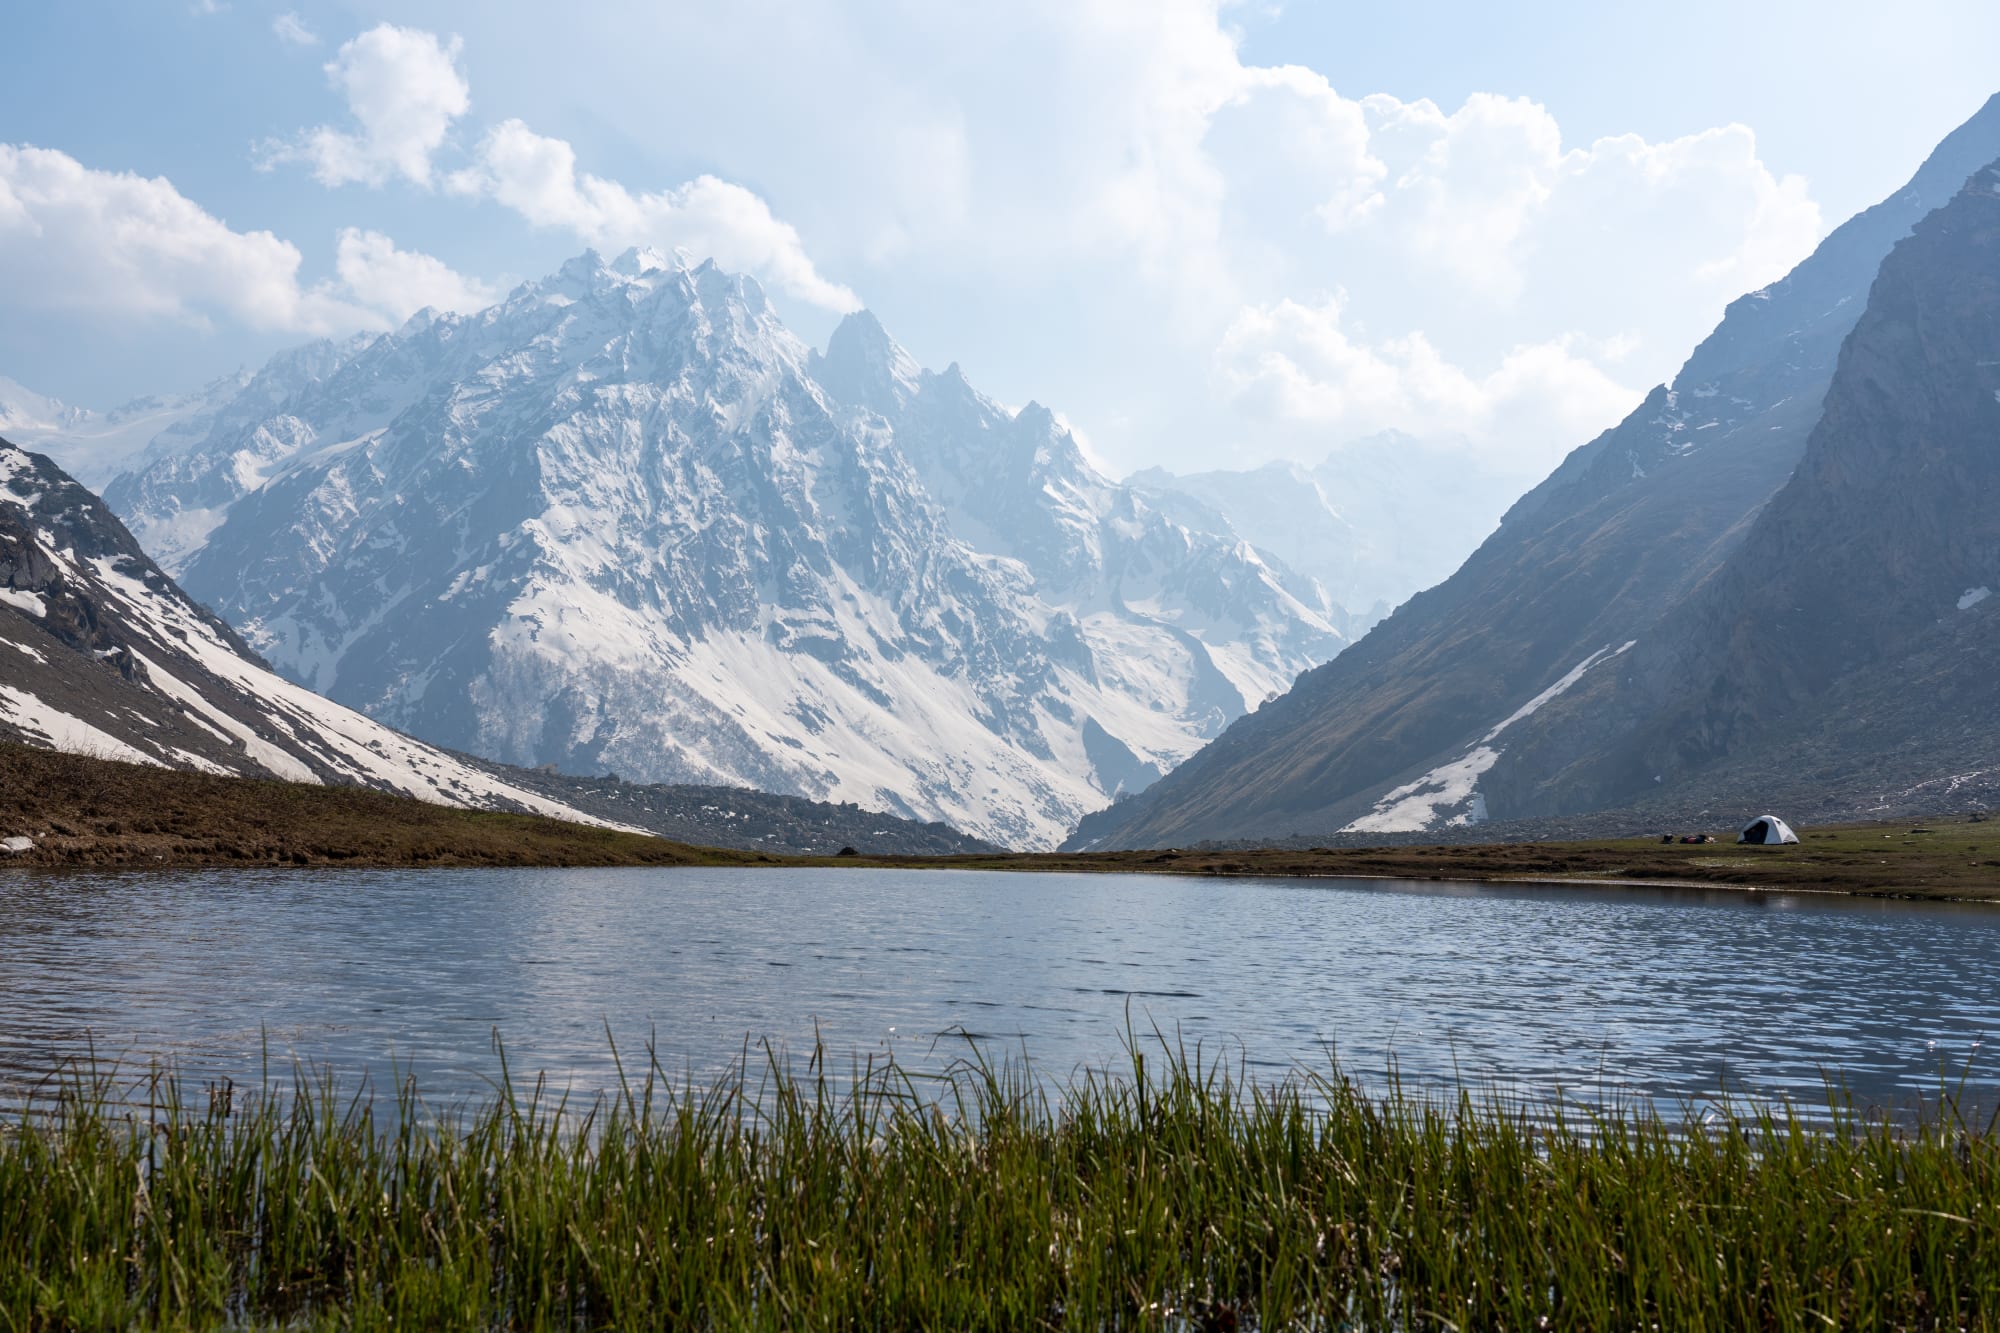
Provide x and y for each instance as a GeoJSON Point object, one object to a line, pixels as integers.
{"type": "Point", "coordinates": [1672, 994]}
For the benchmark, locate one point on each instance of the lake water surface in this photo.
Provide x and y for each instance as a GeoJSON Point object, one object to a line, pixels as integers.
{"type": "Point", "coordinates": [1667, 993]}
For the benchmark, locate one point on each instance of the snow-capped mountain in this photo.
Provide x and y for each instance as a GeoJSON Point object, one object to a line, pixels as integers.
{"type": "Point", "coordinates": [1016, 485]}
{"type": "Point", "coordinates": [178, 488]}
{"type": "Point", "coordinates": [101, 653]}
{"type": "Point", "coordinates": [95, 446]}
{"type": "Point", "coordinates": [625, 519]}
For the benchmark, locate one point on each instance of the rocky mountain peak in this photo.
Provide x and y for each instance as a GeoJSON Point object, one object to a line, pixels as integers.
{"type": "Point", "coordinates": [865, 367]}
{"type": "Point", "coordinates": [626, 519]}
{"type": "Point", "coordinates": [641, 259]}
{"type": "Point", "coordinates": [1034, 417]}
{"type": "Point", "coordinates": [638, 273]}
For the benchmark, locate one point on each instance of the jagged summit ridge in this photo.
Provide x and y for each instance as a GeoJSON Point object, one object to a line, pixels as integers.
{"type": "Point", "coordinates": [863, 365]}
{"type": "Point", "coordinates": [625, 519]}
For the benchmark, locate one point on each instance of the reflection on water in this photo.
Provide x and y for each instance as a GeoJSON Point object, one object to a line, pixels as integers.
{"type": "Point", "coordinates": [1668, 993]}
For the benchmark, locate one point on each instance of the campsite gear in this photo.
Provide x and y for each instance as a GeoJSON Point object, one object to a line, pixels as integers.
{"type": "Point", "coordinates": [1767, 829]}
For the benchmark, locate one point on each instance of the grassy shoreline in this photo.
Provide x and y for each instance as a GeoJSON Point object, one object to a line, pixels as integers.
{"type": "Point", "coordinates": [94, 813]}
{"type": "Point", "coordinates": [1953, 859]}
{"type": "Point", "coordinates": [85, 812]}
{"type": "Point", "coordinates": [1172, 1196]}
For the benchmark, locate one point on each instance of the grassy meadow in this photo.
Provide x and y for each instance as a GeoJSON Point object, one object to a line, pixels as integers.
{"type": "Point", "coordinates": [1174, 1196]}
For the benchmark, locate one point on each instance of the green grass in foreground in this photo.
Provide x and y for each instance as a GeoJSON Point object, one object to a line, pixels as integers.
{"type": "Point", "coordinates": [1183, 1200]}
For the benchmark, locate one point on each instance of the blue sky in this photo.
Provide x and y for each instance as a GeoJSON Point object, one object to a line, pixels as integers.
{"type": "Point", "coordinates": [1207, 237]}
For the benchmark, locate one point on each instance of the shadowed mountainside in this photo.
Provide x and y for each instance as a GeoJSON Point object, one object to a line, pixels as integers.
{"type": "Point", "coordinates": [1399, 732]}
{"type": "Point", "coordinates": [1852, 638]}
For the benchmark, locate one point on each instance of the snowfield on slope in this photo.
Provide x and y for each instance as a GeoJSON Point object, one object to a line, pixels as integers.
{"type": "Point", "coordinates": [625, 520]}
{"type": "Point", "coordinates": [1448, 795]}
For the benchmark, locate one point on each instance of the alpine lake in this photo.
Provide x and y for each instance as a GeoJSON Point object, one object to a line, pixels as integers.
{"type": "Point", "coordinates": [1680, 997]}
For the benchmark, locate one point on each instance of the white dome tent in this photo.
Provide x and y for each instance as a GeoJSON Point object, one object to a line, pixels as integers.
{"type": "Point", "coordinates": [1767, 829]}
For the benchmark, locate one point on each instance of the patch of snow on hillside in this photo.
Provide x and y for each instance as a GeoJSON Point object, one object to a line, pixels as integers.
{"type": "Point", "coordinates": [1973, 597]}
{"type": "Point", "coordinates": [62, 731]}
{"type": "Point", "coordinates": [1449, 794]}
{"type": "Point", "coordinates": [1414, 806]}
{"type": "Point", "coordinates": [1574, 675]}
{"type": "Point", "coordinates": [25, 601]}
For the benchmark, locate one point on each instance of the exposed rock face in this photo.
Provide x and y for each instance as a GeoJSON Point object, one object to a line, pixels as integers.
{"type": "Point", "coordinates": [1849, 638]}
{"type": "Point", "coordinates": [625, 520]}
{"type": "Point", "coordinates": [1420, 724]}
{"type": "Point", "coordinates": [1140, 588]}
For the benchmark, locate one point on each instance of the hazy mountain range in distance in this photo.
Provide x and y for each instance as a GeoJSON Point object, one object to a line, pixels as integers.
{"type": "Point", "coordinates": [1378, 519]}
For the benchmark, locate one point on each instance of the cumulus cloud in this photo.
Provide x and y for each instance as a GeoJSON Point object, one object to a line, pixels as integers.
{"type": "Point", "coordinates": [1296, 364]}
{"type": "Point", "coordinates": [403, 90]}
{"type": "Point", "coordinates": [537, 177]}
{"type": "Point", "coordinates": [1102, 238]}
{"type": "Point", "coordinates": [290, 29]}
{"type": "Point", "coordinates": [1491, 197]}
{"type": "Point", "coordinates": [114, 245]}
{"type": "Point", "coordinates": [1496, 283]}
{"type": "Point", "coordinates": [376, 275]}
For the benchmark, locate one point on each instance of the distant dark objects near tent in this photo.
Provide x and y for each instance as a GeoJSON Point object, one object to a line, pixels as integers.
{"type": "Point", "coordinates": [1767, 829]}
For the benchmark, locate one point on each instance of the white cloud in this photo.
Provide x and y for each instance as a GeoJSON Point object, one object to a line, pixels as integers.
{"type": "Point", "coordinates": [109, 245]}
{"type": "Point", "coordinates": [114, 243]}
{"type": "Point", "coordinates": [404, 89]}
{"type": "Point", "coordinates": [1105, 205]}
{"type": "Point", "coordinates": [1490, 199]}
{"type": "Point", "coordinates": [373, 273]}
{"type": "Point", "coordinates": [536, 176]}
{"type": "Point", "coordinates": [290, 29]}
{"type": "Point", "coordinates": [1295, 369]}
{"type": "Point", "coordinates": [1495, 284]}
{"type": "Point", "coordinates": [1487, 202]}
{"type": "Point", "coordinates": [1093, 241]}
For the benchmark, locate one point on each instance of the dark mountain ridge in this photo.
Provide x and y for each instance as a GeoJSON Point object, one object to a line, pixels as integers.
{"type": "Point", "coordinates": [1395, 733]}
{"type": "Point", "coordinates": [1855, 608]}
